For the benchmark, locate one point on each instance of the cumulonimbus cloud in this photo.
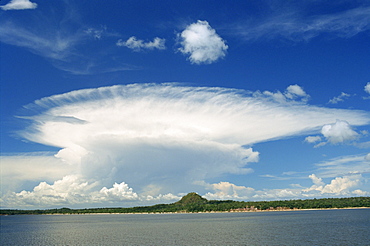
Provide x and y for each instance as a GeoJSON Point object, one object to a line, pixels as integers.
{"type": "Point", "coordinates": [18, 5]}
{"type": "Point", "coordinates": [165, 138]}
{"type": "Point", "coordinates": [202, 43]}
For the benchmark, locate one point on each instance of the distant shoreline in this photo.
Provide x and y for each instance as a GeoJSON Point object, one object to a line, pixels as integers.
{"type": "Point", "coordinates": [194, 203]}
{"type": "Point", "coordinates": [203, 212]}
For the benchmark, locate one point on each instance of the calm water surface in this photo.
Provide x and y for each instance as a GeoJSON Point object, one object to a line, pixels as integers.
{"type": "Point", "coordinates": [323, 227]}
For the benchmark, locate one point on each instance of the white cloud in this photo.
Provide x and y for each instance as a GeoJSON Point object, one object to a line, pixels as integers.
{"type": "Point", "coordinates": [367, 157]}
{"type": "Point", "coordinates": [312, 139]}
{"type": "Point", "coordinates": [295, 25]}
{"type": "Point", "coordinates": [226, 190]}
{"type": "Point", "coordinates": [339, 132]}
{"type": "Point", "coordinates": [339, 98]}
{"type": "Point", "coordinates": [18, 5]}
{"type": "Point", "coordinates": [360, 193]}
{"type": "Point", "coordinates": [292, 93]}
{"type": "Point", "coordinates": [74, 190]}
{"type": "Point", "coordinates": [229, 191]}
{"type": "Point", "coordinates": [118, 191]}
{"type": "Point", "coordinates": [69, 190]}
{"type": "Point", "coordinates": [337, 186]}
{"type": "Point", "coordinates": [202, 43]}
{"type": "Point", "coordinates": [138, 45]}
{"type": "Point", "coordinates": [367, 87]}
{"type": "Point", "coordinates": [161, 138]}
{"type": "Point", "coordinates": [340, 185]}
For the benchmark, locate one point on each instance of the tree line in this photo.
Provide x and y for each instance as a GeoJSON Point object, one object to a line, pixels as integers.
{"type": "Point", "coordinates": [193, 203]}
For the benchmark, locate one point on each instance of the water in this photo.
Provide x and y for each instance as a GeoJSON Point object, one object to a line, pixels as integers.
{"type": "Point", "coordinates": [323, 227]}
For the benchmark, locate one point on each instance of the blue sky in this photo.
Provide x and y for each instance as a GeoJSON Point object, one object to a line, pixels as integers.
{"type": "Point", "coordinates": [126, 103]}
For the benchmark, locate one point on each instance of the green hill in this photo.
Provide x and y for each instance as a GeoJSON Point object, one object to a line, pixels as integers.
{"type": "Point", "coordinates": [191, 198]}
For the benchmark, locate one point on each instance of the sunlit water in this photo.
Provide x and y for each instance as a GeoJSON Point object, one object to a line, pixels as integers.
{"type": "Point", "coordinates": [323, 227]}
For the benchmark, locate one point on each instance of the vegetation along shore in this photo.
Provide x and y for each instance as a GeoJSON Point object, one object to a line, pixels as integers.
{"type": "Point", "coordinates": [194, 203]}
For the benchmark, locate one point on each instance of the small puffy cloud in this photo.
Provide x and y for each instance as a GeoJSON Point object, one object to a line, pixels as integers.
{"type": "Point", "coordinates": [202, 43]}
{"type": "Point", "coordinates": [318, 183]}
{"type": "Point", "coordinates": [19, 5]}
{"type": "Point", "coordinates": [367, 87]}
{"type": "Point", "coordinates": [367, 157]}
{"type": "Point", "coordinates": [316, 180]}
{"type": "Point", "coordinates": [226, 190]}
{"type": "Point", "coordinates": [367, 90]}
{"type": "Point", "coordinates": [339, 98]}
{"type": "Point", "coordinates": [339, 132]}
{"type": "Point", "coordinates": [294, 91]}
{"type": "Point", "coordinates": [291, 93]}
{"type": "Point", "coordinates": [139, 45]}
{"type": "Point", "coordinates": [118, 192]}
{"type": "Point", "coordinates": [360, 193]}
{"type": "Point", "coordinates": [312, 139]}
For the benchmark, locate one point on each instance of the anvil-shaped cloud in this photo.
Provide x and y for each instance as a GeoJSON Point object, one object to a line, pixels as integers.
{"type": "Point", "coordinates": [165, 138]}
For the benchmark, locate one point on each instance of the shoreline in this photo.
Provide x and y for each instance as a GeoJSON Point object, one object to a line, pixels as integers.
{"type": "Point", "coordinates": [204, 212]}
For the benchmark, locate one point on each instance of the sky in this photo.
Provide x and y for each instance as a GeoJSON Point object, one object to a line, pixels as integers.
{"type": "Point", "coordinates": [129, 103]}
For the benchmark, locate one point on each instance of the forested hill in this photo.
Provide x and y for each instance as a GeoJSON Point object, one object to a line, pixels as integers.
{"type": "Point", "coordinates": [192, 203]}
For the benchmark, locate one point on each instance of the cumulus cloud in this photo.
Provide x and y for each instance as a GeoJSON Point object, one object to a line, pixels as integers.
{"type": "Point", "coordinates": [339, 98]}
{"type": "Point", "coordinates": [75, 190]}
{"type": "Point", "coordinates": [337, 186]}
{"type": "Point", "coordinates": [163, 138]}
{"type": "Point", "coordinates": [18, 5]}
{"type": "Point", "coordinates": [312, 139]}
{"type": "Point", "coordinates": [292, 93]}
{"type": "Point", "coordinates": [69, 190]}
{"type": "Point", "coordinates": [138, 45]}
{"type": "Point", "coordinates": [119, 191]}
{"type": "Point", "coordinates": [367, 157]}
{"type": "Point", "coordinates": [339, 132]}
{"type": "Point", "coordinates": [227, 190]}
{"type": "Point", "coordinates": [367, 89]}
{"type": "Point", "coordinates": [202, 43]}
